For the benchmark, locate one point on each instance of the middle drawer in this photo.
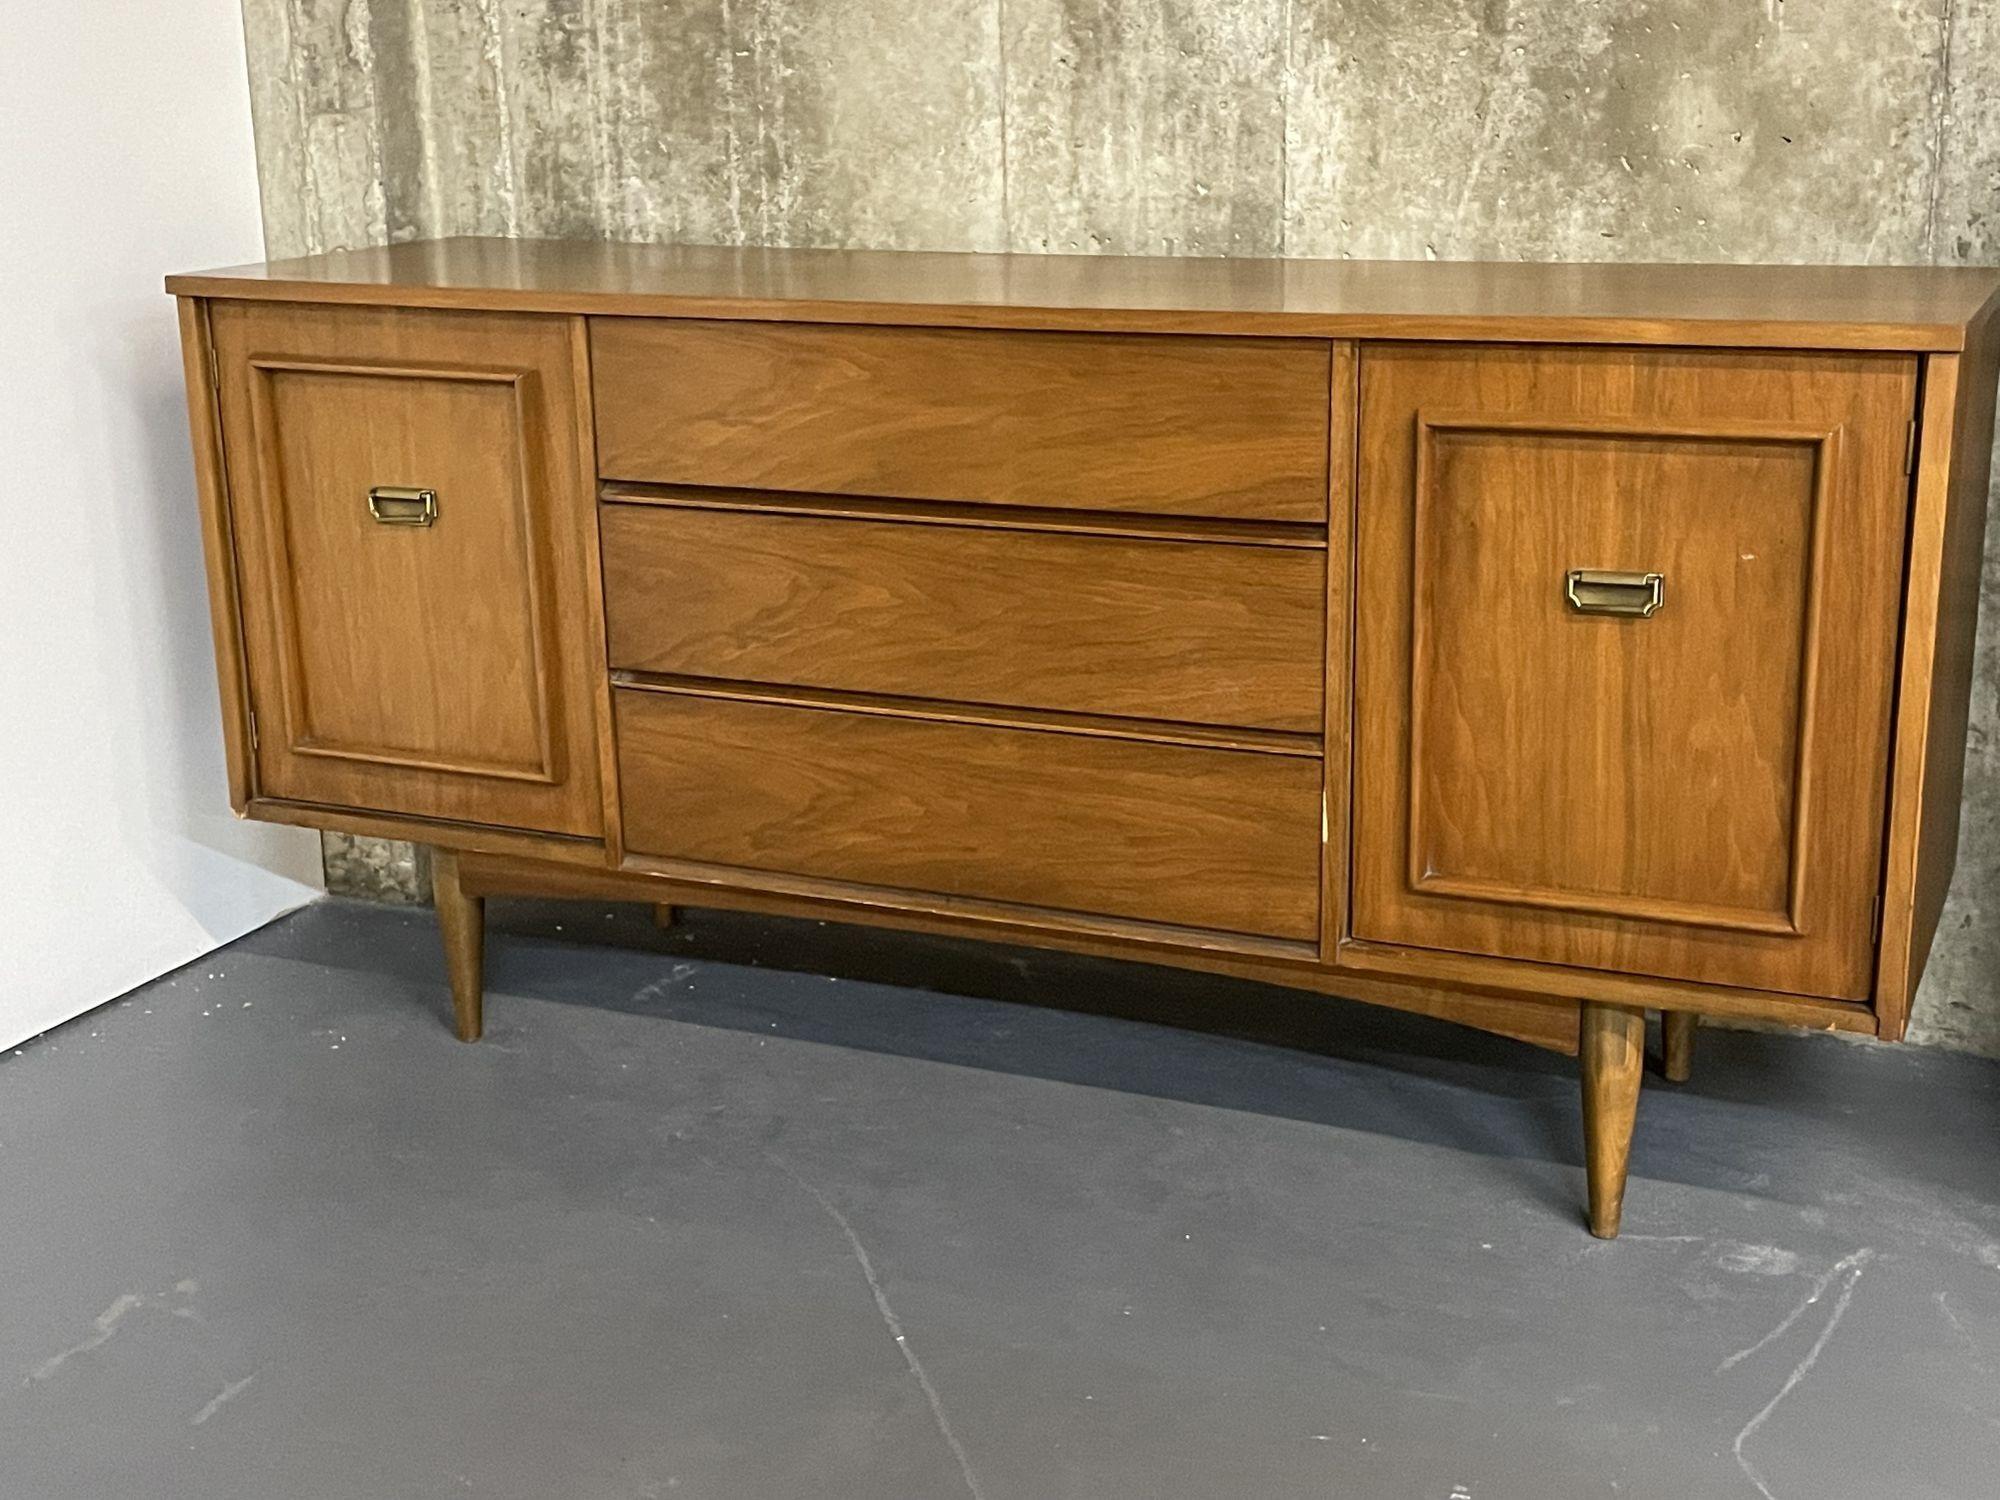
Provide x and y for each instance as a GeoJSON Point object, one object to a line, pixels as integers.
{"type": "Point", "coordinates": [1190, 632]}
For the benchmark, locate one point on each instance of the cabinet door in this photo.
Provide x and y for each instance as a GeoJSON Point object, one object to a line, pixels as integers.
{"type": "Point", "coordinates": [1625, 632]}
{"type": "Point", "coordinates": [408, 503]}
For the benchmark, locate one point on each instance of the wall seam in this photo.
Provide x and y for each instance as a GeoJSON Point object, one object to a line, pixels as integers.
{"type": "Point", "coordinates": [426, 124]}
{"type": "Point", "coordinates": [1006, 195]}
{"type": "Point", "coordinates": [1948, 25]}
{"type": "Point", "coordinates": [1285, 141]}
{"type": "Point", "coordinates": [493, 46]}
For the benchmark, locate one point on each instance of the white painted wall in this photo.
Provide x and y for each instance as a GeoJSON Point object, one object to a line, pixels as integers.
{"type": "Point", "coordinates": [125, 153]}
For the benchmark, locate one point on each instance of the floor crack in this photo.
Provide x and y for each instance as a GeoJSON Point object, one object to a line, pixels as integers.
{"type": "Point", "coordinates": [222, 1398]}
{"type": "Point", "coordinates": [1852, 1266]}
{"type": "Point", "coordinates": [106, 1324]}
{"type": "Point", "coordinates": [890, 1320]}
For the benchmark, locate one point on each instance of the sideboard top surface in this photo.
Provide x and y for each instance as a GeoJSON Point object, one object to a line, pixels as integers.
{"type": "Point", "coordinates": [1915, 308]}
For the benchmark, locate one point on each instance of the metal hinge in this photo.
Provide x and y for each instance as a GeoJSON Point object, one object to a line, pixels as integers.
{"type": "Point", "coordinates": [253, 729]}
{"type": "Point", "coordinates": [214, 369]}
{"type": "Point", "coordinates": [1322, 817]}
{"type": "Point", "coordinates": [1875, 918]}
{"type": "Point", "coordinates": [1910, 449]}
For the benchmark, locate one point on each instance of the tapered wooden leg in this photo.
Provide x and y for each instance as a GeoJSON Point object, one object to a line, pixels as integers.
{"type": "Point", "coordinates": [1613, 1057]}
{"type": "Point", "coordinates": [1677, 1045]}
{"type": "Point", "coordinates": [664, 915]}
{"type": "Point", "coordinates": [462, 922]}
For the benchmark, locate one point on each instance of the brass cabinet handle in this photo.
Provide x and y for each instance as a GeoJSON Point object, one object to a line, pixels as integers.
{"type": "Point", "coordinates": [398, 505]}
{"type": "Point", "coordinates": [1592, 591]}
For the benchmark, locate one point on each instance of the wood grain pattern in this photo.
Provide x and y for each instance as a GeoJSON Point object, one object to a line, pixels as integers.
{"type": "Point", "coordinates": [562, 849]}
{"type": "Point", "coordinates": [915, 901]}
{"type": "Point", "coordinates": [1195, 837]}
{"type": "Point", "coordinates": [1783, 307]}
{"type": "Point", "coordinates": [438, 671]}
{"type": "Point", "coordinates": [1905, 941]}
{"type": "Point", "coordinates": [1947, 552]}
{"type": "Point", "coordinates": [1199, 427]}
{"type": "Point", "coordinates": [1653, 796]}
{"type": "Point", "coordinates": [1734, 515]}
{"type": "Point", "coordinates": [1550, 1024]}
{"type": "Point", "coordinates": [360, 608]}
{"type": "Point", "coordinates": [1175, 631]}
{"type": "Point", "coordinates": [1612, 1054]}
{"type": "Point", "coordinates": [218, 550]}
{"type": "Point", "coordinates": [930, 710]}
{"type": "Point", "coordinates": [584, 423]}
{"type": "Point", "coordinates": [1555, 981]}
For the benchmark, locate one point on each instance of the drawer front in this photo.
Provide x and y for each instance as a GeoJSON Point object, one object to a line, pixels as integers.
{"type": "Point", "coordinates": [1196, 837]}
{"type": "Point", "coordinates": [1687, 784]}
{"type": "Point", "coordinates": [1187, 426]}
{"type": "Point", "coordinates": [1192, 632]}
{"type": "Point", "coordinates": [422, 657]}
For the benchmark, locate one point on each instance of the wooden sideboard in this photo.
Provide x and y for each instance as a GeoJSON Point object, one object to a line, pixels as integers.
{"type": "Point", "coordinates": [1531, 646]}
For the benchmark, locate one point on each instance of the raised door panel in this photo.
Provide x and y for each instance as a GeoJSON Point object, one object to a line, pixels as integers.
{"type": "Point", "coordinates": [1191, 836]}
{"type": "Point", "coordinates": [1625, 636]}
{"type": "Point", "coordinates": [1187, 426]}
{"type": "Point", "coordinates": [1193, 632]}
{"type": "Point", "coordinates": [415, 656]}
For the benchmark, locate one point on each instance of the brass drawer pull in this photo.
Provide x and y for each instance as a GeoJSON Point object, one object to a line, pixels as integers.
{"type": "Point", "coordinates": [1591, 591]}
{"type": "Point", "coordinates": [398, 505]}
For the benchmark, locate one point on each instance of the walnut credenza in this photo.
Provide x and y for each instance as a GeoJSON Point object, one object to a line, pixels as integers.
{"type": "Point", "coordinates": [1526, 645]}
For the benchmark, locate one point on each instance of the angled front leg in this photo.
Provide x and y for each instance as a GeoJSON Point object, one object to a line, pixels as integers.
{"type": "Point", "coordinates": [462, 923]}
{"type": "Point", "coordinates": [1612, 1053]}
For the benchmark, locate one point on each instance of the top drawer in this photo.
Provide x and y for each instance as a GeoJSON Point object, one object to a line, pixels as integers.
{"type": "Point", "coordinates": [1167, 424]}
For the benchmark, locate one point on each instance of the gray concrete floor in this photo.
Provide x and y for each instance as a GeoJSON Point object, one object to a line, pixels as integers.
{"type": "Point", "coordinates": [699, 1220]}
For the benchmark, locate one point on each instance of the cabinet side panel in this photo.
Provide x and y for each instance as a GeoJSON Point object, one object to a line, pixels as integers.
{"type": "Point", "coordinates": [1947, 553]}
{"type": "Point", "coordinates": [218, 547]}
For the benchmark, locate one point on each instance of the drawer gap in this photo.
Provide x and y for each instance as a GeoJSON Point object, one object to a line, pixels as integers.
{"type": "Point", "coordinates": [884, 705]}
{"type": "Point", "coordinates": [1304, 535]}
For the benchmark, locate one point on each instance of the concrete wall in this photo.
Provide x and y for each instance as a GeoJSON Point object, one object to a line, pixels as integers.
{"type": "Point", "coordinates": [1732, 130]}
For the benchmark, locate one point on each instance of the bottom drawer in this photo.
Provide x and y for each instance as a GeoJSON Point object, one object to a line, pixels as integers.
{"type": "Point", "coordinates": [1193, 836]}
